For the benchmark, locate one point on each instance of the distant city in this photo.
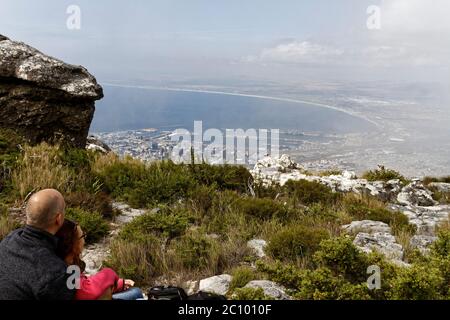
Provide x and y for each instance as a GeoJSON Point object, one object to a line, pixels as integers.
{"type": "Point", "coordinates": [152, 144]}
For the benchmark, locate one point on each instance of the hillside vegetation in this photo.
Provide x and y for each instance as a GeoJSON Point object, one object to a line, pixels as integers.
{"type": "Point", "coordinates": [206, 214]}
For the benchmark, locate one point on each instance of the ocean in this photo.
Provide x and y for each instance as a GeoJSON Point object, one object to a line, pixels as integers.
{"type": "Point", "coordinates": [125, 108]}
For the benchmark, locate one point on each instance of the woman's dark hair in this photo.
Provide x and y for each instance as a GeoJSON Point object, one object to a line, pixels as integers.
{"type": "Point", "coordinates": [67, 238]}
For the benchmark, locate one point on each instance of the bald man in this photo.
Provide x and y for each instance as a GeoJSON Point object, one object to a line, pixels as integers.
{"type": "Point", "coordinates": [29, 266]}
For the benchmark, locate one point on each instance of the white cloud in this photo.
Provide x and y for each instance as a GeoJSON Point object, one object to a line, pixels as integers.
{"type": "Point", "coordinates": [415, 16]}
{"type": "Point", "coordinates": [414, 33]}
{"type": "Point", "coordinates": [297, 52]}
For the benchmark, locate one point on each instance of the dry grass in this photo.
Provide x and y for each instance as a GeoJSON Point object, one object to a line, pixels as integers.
{"type": "Point", "coordinates": [40, 168]}
{"type": "Point", "coordinates": [6, 226]}
{"type": "Point", "coordinates": [157, 262]}
{"type": "Point", "coordinates": [109, 159]}
{"type": "Point", "coordinates": [403, 237]}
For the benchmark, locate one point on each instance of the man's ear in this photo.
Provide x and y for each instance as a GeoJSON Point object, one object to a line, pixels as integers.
{"type": "Point", "coordinates": [59, 219]}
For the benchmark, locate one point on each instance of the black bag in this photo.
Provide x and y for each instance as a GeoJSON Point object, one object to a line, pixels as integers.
{"type": "Point", "coordinates": [205, 296]}
{"type": "Point", "coordinates": [178, 294]}
{"type": "Point", "coordinates": [167, 293]}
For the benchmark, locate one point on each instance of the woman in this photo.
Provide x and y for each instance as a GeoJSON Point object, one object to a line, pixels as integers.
{"type": "Point", "coordinates": [70, 246]}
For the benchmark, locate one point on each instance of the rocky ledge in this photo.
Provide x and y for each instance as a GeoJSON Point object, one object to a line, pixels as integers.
{"type": "Point", "coordinates": [43, 98]}
{"type": "Point", "coordinates": [414, 200]}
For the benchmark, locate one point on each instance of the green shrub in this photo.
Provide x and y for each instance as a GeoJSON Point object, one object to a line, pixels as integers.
{"type": "Point", "coordinates": [76, 159]}
{"type": "Point", "coordinates": [389, 272]}
{"type": "Point", "coordinates": [202, 199]}
{"type": "Point", "coordinates": [266, 191]}
{"type": "Point", "coordinates": [320, 212]}
{"type": "Point", "coordinates": [164, 223]}
{"type": "Point", "coordinates": [342, 258]}
{"type": "Point", "coordinates": [145, 185]}
{"type": "Point", "coordinates": [196, 251]}
{"type": "Point", "coordinates": [317, 284]}
{"type": "Point", "coordinates": [263, 209]}
{"type": "Point", "coordinates": [322, 284]}
{"type": "Point", "coordinates": [92, 223]}
{"type": "Point", "coordinates": [440, 196]}
{"type": "Point", "coordinates": [428, 180]}
{"type": "Point", "coordinates": [331, 172]}
{"type": "Point", "coordinates": [441, 247]}
{"type": "Point", "coordinates": [360, 209]}
{"type": "Point", "coordinates": [98, 202]}
{"type": "Point", "coordinates": [241, 276]}
{"type": "Point", "coordinates": [224, 177]}
{"type": "Point", "coordinates": [9, 150]}
{"type": "Point", "coordinates": [349, 291]}
{"type": "Point", "coordinates": [383, 174]}
{"type": "Point", "coordinates": [163, 182]}
{"type": "Point", "coordinates": [9, 153]}
{"type": "Point", "coordinates": [307, 192]}
{"type": "Point", "coordinates": [250, 294]}
{"type": "Point", "coordinates": [285, 274]}
{"type": "Point", "coordinates": [296, 241]}
{"type": "Point", "coordinates": [120, 176]}
{"type": "Point", "coordinates": [418, 282]}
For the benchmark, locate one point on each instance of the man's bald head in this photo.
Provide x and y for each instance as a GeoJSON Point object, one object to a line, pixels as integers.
{"type": "Point", "coordinates": [43, 209]}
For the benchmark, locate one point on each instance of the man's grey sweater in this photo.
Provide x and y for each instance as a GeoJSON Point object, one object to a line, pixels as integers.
{"type": "Point", "coordinates": [30, 268]}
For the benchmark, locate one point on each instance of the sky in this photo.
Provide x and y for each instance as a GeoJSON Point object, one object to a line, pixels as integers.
{"type": "Point", "coordinates": [225, 40]}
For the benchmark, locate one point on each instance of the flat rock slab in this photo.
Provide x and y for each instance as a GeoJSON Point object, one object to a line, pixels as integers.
{"type": "Point", "coordinates": [217, 284]}
{"type": "Point", "coordinates": [367, 226]}
{"type": "Point", "coordinates": [270, 288]}
{"type": "Point", "coordinates": [258, 246]}
{"type": "Point", "coordinates": [382, 242]}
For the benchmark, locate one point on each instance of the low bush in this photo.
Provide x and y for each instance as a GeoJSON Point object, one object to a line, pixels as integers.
{"type": "Point", "coordinates": [383, 174]}
{"type": "Point", "coordinates": [371, 209]}
{"type": "Point", "coordinates": [241, 276]}
{"type": "Point", "coordinates": [145, 185]}
{"type": "Point", "coordinates": [195, 251]}
{"type": "Point", "coordinates": [263, 209]}
{"type": "Point", "coordinates": [271, 191]}
{"type": "Point", "coordinates": [250, 294]}
{"type": "Point", "coordinates": [315, 284]}
{"type": "Point", "coordinates": [322, 284]}
{"type": "Point", "coordinates": [283, 273]}
{"type": "Point", "coordinates": [92, 223]}
{"type": "Point", "coordinates": [165, 223]}
{"type": "Point", "coordinates": [9, 153]}
{"type": "Point", "coordinates": [202, 199]}
{"type": "Point", "coordinates": [296, 241]}
{"type": "Point", "coordinates": [76, 159]}
{"type": "Point", "coordinates": [307, 192]}
{"type": "Point", "coordinates": [440, 196]}
{"type": "Point", "coordinates": [331, 172]}
{"type": "Point", "coordinates": [418, 282]}
{"type": "Point", "coordinates": [224, 177]}
{"type": "Point", "coordinates": [428, 180]}
{"type": "Point", "coordinates": [139, 184]}
{"type": "Point", "coordinates": [342, 257]}
{"type": "Point", "coordinates": [9, 147]}
{"type": "Point", "coordinates": [441, 247]}
{"type": "Point", "coordinates": [99, 202]}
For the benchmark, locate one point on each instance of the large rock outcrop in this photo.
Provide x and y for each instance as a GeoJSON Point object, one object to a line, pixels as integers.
{"type": "Point", "coordinates": [43, 98]}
